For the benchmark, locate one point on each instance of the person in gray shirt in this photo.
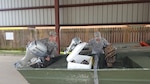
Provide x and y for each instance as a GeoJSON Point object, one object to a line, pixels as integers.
{"type": "Point", "coordinates": [50, 43]}
{"type": "Point", "coordinates": [98, 43]}
{"type": "Point", "coordinates": [52, 51]}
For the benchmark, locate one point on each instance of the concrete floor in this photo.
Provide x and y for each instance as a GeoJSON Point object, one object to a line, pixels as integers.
{"type": "Point", "coordinates": [8, 73]}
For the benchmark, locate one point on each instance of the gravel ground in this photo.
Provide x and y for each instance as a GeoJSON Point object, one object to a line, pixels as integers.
{"type": "Point", "coordinates": [8, 73]}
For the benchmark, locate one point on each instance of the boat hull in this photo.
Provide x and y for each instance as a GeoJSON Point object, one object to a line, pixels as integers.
{"type": "Point", "coordinates": [135, 70]}
{"type": "Point", "coordinates": [105, 76]}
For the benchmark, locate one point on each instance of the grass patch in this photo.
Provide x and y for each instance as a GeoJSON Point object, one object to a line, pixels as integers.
{"type": "Point", "coordinates": [16, 52]}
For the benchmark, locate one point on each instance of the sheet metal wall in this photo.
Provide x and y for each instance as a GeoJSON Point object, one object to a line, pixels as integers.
{"type": "Point", "coordinates": [24, 3]}
{"type": "Point", "coordinates": [99, 14]}
{"type": "Point", "coordinates": [26, 17]}
{"type": "Point", "coordinates": [123, 13]}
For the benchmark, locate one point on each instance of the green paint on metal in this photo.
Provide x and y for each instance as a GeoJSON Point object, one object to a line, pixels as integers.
{"type": "Point", "coordinates": [130, 71]}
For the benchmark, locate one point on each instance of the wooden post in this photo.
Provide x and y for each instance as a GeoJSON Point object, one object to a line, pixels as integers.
{"type": "Point", "coordinates": [57, 25]}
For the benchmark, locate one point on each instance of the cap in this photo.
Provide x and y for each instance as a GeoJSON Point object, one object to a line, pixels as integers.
{"type": "Point", "coordinates": [52, 33]}
{"type": "Point", "coordinates": [97, 34]}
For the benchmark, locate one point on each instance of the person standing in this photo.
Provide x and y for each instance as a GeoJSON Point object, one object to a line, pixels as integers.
{"type": "Point", "coordinates": [98, 43]}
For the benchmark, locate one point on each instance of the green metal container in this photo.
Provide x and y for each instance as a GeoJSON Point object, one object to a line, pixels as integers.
{"type": "Point", "coordinates": [131, 67]}
{"type": "Point", "coordinates": [105, 76]}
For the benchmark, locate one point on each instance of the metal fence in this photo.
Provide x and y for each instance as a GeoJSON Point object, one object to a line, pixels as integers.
{"type": "Point", "coordinates": [113, 35]}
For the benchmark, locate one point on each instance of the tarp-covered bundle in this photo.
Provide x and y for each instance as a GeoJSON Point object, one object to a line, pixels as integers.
{"type": "Point", "coordinates": [110, 53]}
